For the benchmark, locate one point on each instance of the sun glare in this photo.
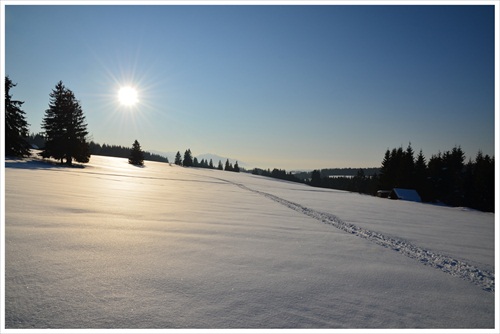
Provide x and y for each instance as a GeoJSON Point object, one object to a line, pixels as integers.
{"type": "Point", "coordinates": [127, 96]}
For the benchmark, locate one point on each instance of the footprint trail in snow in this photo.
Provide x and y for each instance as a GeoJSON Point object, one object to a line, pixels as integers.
{"type": "Point", "coordinates": [449, 265]}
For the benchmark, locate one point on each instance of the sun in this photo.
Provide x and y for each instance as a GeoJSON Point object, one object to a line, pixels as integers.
{"type": "Point", "coordinates": [127, 96]}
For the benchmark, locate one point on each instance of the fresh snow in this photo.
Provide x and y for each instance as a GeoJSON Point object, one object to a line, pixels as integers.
{"type": "Point", "coordinates": [111, 245]}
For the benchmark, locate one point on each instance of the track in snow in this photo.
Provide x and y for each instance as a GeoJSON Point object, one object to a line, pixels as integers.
{"type": "Point", "coordinates": [454, 267]}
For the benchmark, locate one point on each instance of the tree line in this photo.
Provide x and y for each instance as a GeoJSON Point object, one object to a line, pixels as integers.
{"type": "Point", "coordinates": [122, 152]}
{"type": "Point", "coordinates": [339, 172]}
{"type": "Point", "coordinates": [277, 174]}
{"type": "Point", "coordinates": [361, 182]}
{"type": "Point", "coordinates": [446, 177]}
{"type": "Point", "coordinates": [118, 151]}
{"type": "Point", "coordinates": [189, 161]}
{"type": "Point", "coordinates": [365, 181]}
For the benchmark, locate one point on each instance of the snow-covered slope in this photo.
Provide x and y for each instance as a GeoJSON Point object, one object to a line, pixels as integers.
{"type": "Point", "coordinates": [116, 246]}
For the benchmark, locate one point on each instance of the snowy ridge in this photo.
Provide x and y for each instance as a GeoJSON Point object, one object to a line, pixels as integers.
{"type": "Point", "coordinates": [454, 267]}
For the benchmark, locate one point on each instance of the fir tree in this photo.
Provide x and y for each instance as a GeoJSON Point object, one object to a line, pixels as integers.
{"type": "Point", "coordinates": [178, 159]}
{"type": "Point", "coordinates": [220, 167]}
{"type": "Point", "coordinates": [236, 168]}
{"type": "Point", "coordinates": [188, 159]}
{"type": "Point", "coordinates": [408, 168]}
{"type": "Point", "coordinates": [65, 127]}
{"type": "Point", "coordinates": [386, 177]}
{"type": "Point", "coordinates": [435, 174]}
{"type": "Point", "coordinates": [228, 166]}
{"type": "Point", "coordinates": [16, 127]}
{"type": "Point", "coordinates": [397, 169]}
{"type": "Point", "coordinates": [398, 165]}
{"type": "Point", "coordinates": [136, 155]}
{"type": "Point", "coordinates": [421, 183]}
{"type": "Point", "coordinates": [480, 183]}
{"type": "Point", "coordinates": [211, 164]}
{"type": "Point", "coordinates": [453, 174]}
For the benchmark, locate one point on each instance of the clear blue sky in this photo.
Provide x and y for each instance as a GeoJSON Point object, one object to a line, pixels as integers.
{"type": "Point", "coordinates": [293, 87]}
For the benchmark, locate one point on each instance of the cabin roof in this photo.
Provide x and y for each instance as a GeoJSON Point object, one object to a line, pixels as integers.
{"type": "Point", "coordinates": [405, 194]}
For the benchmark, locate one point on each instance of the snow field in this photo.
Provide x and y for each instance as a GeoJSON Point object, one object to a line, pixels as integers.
{"type": "Point", "coordinates": [485, 279]}
{"type": "Point", "coordinates": [116, 246]}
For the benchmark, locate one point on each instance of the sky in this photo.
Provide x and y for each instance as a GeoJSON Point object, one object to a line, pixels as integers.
{"type": "Point", "coordinates": [291, 87]}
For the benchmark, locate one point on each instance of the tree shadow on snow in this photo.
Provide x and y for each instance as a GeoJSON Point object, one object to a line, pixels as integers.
{"type": "Point", "coordinates": [34, 163]}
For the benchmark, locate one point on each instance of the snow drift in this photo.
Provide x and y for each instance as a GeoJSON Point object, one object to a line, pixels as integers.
{"type": "Point", "coordinates": [111, 245]}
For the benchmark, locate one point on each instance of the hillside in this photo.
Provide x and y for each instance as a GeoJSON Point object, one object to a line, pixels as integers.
{"type": "Point", "coordinates": [111, 245]}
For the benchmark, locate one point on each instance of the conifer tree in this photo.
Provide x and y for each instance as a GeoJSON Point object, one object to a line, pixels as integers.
{"type": "Point", "coordinates": [408, 168]}
{"type": "Point", "coordinates": [480, 183]}
{"type": "Point", "coordinates": [397, 162]}
{"type": "Point", "coordinates": [435, 175]}
{"type": "Point", "coordinates": [236, 168]}
{"type": "Point", "coordinates": [386, 177]}
{"type": "Point", "coordinates": [421, 176]}
{"type": "Point", "coordinates": [228, 166]}
{"type": "Point", "coordinates": [219, 167]}
{"type": "Point", "coordinates": [453, 176]}
{"type": "Point", "coordinates": [188, 159]}
{"type": "Point", "coordinates": [178, 159]}
{"type": "Point", "coordinates": [136, 155]}
{"type": "Point", "coordinates": [211, 164]}
{"type": "Point", "coordinates": [398, 169]}
{"type": "Point", "coordinates": [16, 127]}
{"type": "Point", "coordinates": [65, 127]}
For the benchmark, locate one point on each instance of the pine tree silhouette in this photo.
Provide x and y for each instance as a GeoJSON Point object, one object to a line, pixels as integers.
{"type": "Point", "coordinates": [228, 166]}
{"type": "Point", "coordinates": [188, 159]}
{"type": "Point", "coordinates": [136, 155]}
{"type": "Point", "coordinates": [178, 159]}
{"type": "Point", "coordinates": [16, 127]}
{"type": "Point", "coordinates": [65, 127]}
